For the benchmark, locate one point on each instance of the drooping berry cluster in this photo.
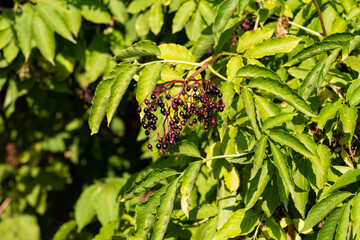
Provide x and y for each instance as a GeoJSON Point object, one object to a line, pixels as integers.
{"type": "Point", "coordinates": [193, 104]}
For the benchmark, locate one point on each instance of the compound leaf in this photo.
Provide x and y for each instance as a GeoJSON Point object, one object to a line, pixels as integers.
{"type": "Point", "coordinates": [283, 92]}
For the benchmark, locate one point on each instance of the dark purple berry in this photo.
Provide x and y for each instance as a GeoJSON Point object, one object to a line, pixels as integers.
{"type": "Point", "coordinates": [145, 125]}
{"type": "Point", "coordinates": [188, 88]}
{"type": "Point", "coordinates": [219, 94]}
{"type": "Point", "coordinates": [147, 132]}
{"type": "Point", "coordinates": [153, 96]}
{"type": "Point", "coordinates": [146, 110]}
{"type": "Point", "coordinates": [195, 89]}
{"type": "Point", "coordinates": [138, 110]}
{"type": "Point", "coordinates": [158, 146]}
{"type": "Point", "coordinates": [168, 97]}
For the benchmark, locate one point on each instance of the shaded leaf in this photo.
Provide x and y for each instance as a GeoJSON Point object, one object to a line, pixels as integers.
{"type": "Point", "coordinates": [265, 107]}
{"type": "Point", "coordinates": [65, 230]}
{"type": "Point", "coordinates": [139, 5]}
{"type": "Point", "coordinates": [323, 208]}
{"type": "Point", "coordinates": [344, 226]}
{"type": "Point", "coordinates": [302, 189]}
{"type": "Point", "coordinates": [94, 11]}
{"type": "Point", "coordinates": [345, 179]}
{"type": "Point", "coordinates": [310, 81]}
{"type": "Point", "coordinates": [355, 216]}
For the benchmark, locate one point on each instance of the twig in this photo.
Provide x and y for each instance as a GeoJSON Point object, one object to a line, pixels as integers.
{"type": "Point", "coordinates": [320, 16]}
{"type": "Point", "coordinates": [305, 29]}
{"type": "Point", "coordinates": [5, 203]}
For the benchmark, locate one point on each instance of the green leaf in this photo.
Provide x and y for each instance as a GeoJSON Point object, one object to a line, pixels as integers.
{"type": "Point", "coordinates": [311, 51]}
{"type": "Point", "coordinates": [147, 81]}
{"type": "Point", "coordinates": [277, 120]}
{"type": "Point", "coordinates": [137, 6]}
{"type": "Point", "coordinates": [188, 182]}
{"type": "Point", "coordinates": [11, 51]}
{"type": "Point", "coordinates": [165, 210]}
{"type": "Point", "coordinates": [156, 18]}
{"type": "Point", "coordinates": [241, 222]}
{"type": "Point", "coordinates": [265, 107]}
{"type": "Point", "coordinates": [140, 49]}
{"type": "Point", "coordinates": [352, 90]}
{"type": "Point", "coordinates": [328, 112]}
{"type": "Point", "coordinates": [5, 37]}
{"type": "Point", "coordinates": [183, 15]}
{"type": "Point", "coordinates": [353, 62]}
{"type": "Point", "coordinates": [345, 179]}
{"type": "Point", "coordinates": [259, 155]}
{"type": "Point", "coordinates": [258, 184]}
{"type": "Point", "coordinates": [44, 38]}
{"type": "Point", "coordinates": [274, 229]}
{"type": "Point", "coordinates": [171, 51]}
{"type": "Point", "coordinates": [207, 11]}
{"type": "Point", "coordinates": [241, 7]}
{"type": "Point", "coordinates": [54, 20]}
{"type": "Point", "coordinates": [283, 169]}
{"type": "Point", "coordinates": [328, 229]}
{"type": "Point", "coordinates": [233, 65]}
{"type": "Point", "coordinates": [320, 210]}
{"type": "Point", "coordinates": [105, 203]}
{"type": "Point", "coordinates": [84, 207]}
{"type": "Point", "coordinates": [354, 98]}
{"type": "Point", "coordinates": [147, 182]}
{"type": "Point", "coordinates": [251, 38]}
{"type": "Point", "coordinates": [145, 213]}
{"type": "Point", "coordinates": [107, 231]}
{"type": "Point", "coordinates": [228, 91]}
{"type": "Point", "coordinates": [309, 83]}
{"type": "Point", "coordinates": [301, 193]}
{"type": "Point", "coordinates": [328, 62]}
{"type": "Point", "coordinates": [189, 149]}
{"type": "Point", "coordinates": [23, 29]}
{"type": "Point", "coordinates": [94, 11]}
{"type": "Point", "coordinates": [142, 23]}
{"type": "Point", "coordinates": [273, 46]}
{"type": "Point", "coordinates": [290, 141]}
{"type": "Point", "coordinates": [348, 117]}
{"type": "Point", "coordinates": [118, 10]}
{"type": "Point", "coordinates": [206, 230]}
{"type": "Point", "coordinates": [20, 227]}
{"type": "Point", "coordinates": [253, 71]}
{"type": "Point", "coordinates": [202, 45]}
{"type": "Point", "coordinates": [226, 201]}
{"type": "Point", "coordinates": [65, 230]}
{"type": "Point", "coordinates": [223, 15]}
{"type": "Point", "coordinates": [355, 216]}
{"type": "Point", "coordinates": [339, 37]}
{"type": "Point", "coordinates": [232, 179]}
{"type": "Point", "coordinates": [344, 226]}
{"type": "Point", "coordinates": [118, 89]}
{"type": "Point", "coordinates": [195, 26]}
{"type": "Point", "coordinates": [249, 104]}
{"type": "Point", "coordinates": [73, 18]}
{"type": "Point", "coordinates": [283, 92]}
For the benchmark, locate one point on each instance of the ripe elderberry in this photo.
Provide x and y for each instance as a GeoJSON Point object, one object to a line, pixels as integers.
{"type": "Point", "coordinates": [196, 102]}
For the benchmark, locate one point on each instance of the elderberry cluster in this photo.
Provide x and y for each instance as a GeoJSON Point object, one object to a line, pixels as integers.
{"type": "Point", "coordinates": [193, 104]}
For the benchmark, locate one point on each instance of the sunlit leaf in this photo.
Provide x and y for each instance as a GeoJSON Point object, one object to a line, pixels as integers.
{"type": "Point", "coordinates": [273, 46]}
{"type": "Point", "coordinates": [277, 120]}
{"type": "Point", "coordinates": [182, 15]}
{"type": "Point", "coordinates": [259, 156]}
{"type": "Point", "coordinates": [147, 81]}
{"type": "Point", "coordinates": [328, 229]}
{"type": "Point", "coordinates": [274, 229]}
{"type": "Point", "coordinates": [320, 210]}
{"type": "Point", "coordinates": [223, 15]}
{"type": "Point", "coordinates": [251, 38]}
{"type": "Point", "coordinates": [156, 18]}
{"type": "Point", "coordinates": [139, 49]}
{"type": "Point", "coordinates": [249, 104]}
{"type": "Point", "coordinates": [253, 71]}
{"type": "Point", "coordinates": [44, 38]}
{"type": "Point", "coordinates": [283, 92]}
{"type": "Point", "coordinates": [226, 202]}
